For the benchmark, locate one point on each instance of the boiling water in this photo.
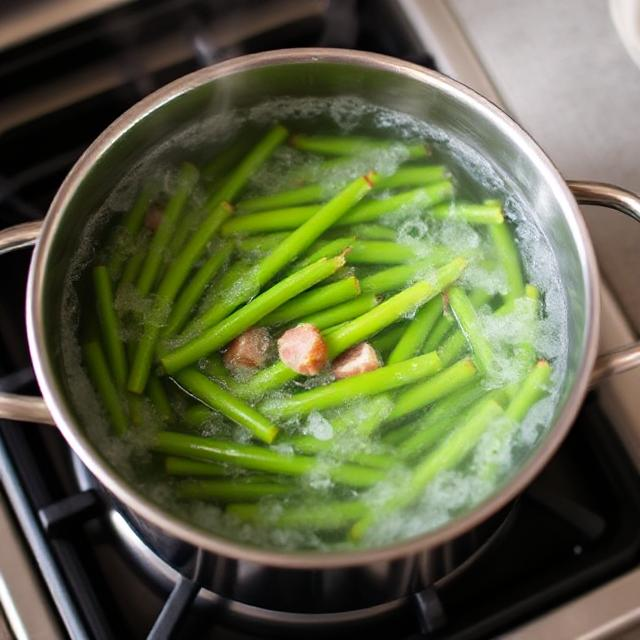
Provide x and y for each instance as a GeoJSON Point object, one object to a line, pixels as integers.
{"type": "Point", "coordinates": [452, 492]}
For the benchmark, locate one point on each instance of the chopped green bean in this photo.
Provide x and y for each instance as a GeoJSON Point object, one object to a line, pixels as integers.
{"type": "Point", "coordinates": [489, 212]}
{"type": "Point", "coordinates": [186, 181]}
{"type": "Point", "coordinates": [341, 312]}
{"type": "Point", "coordinates": [110, 325]}
{"type": "Point", "coordinates": [313, 301]}
{"type": "Point", "coordinates": [175, 466]}
{"type": "Point", "coordinates": [507, 253]}
{"type": "Point", "coordinates": [195, 288]}
{"type": "Point", "coordinates": [259, 458]}
{"type": "Point", "coordinates": [347, 389]}
{"type": "Point", "coordinates": [469, 323]}
{"type": "Point", "coordinates": [236, 490]}
{"type": "Point", "coordinates": [413, 176]}
{"type": "Point", "coordinates": [216, 397]}
{"type": "Point", "coordinates": [130, 228]}
{"type": "Point", "coordinates": [447, 381]}
{"type": "Point", "coordinates": [352, 145]}
{"type": "Point", "coordinates": [416, 332]}
{"type": "Point", "coordinates": [104, 385]}
{"type": "Point", "coordinates": [290, 198]}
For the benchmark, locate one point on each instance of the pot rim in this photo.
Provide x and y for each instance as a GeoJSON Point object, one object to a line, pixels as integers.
{"type": "Point", "coordinates": [196, 536]}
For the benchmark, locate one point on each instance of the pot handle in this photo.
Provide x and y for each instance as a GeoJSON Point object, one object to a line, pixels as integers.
{"type": "Point", "coordinates": [627, 202]}
{"type": "Point", "coordinates": [13, 406]}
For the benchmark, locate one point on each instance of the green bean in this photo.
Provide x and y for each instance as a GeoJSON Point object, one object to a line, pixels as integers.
{"type": "Point", "coordinates": [364, 416]}
{"type": "Point", "coordinates": [439, 331]}
{"type": "Point", "coordinates": [395, 307]}
{"type": "Point", "coordinates": [324, 250]}
{"type": "Point", "coordinates": [216, 397]}
{"type": "Point", "coordinates": [441, 334]}
{"type": "Point", "coordinates": [104, 385]}
{"type": "Point", "coordinates": [310, 445]}
{"type": "Point", "coordinates": [447, 381]}
{"type": "Point", "coordinates": [315, 300]}
{"type": "Point", "coordinates": [260, 244]}
{"type": "Point", "coordinates": [341, 312]}
{"type": "Point", "coordinates": [413, 176]}
{"type": "Point", "coordinates": [416, 332]}
{"type": "Point", "coordinates": [489, 212]}
{"type": "Point", "coordinates": [226, 160]}
{"type": "Point", "coordinates": [386, 340]}
{"type": "Point", "coordinates": [469, 323]}
{"type": "Point", "coordinates": [293, 217]}
{"type": "Point", "coordinates": [397, 435]}
{"type": "Point", "coordinates": [219, 335]}
{"type": "Point", "coordinates": [229, 490]}
{"type": "Point", "coordinates": [379, 252]}
{"type": "Point", "coordinates": [130, 227]}
{"type": "Point", "coordinates": [250, 163]}
{"type": "Point", "coordinates": [186, 181]}
{"type": "Point", "coordinates": [291, 247]}
{"type": "Point", "coordinates": [347, 389]}
{"type": "Point", "coordinates": [446, 455]}
{"type": "Point", "coordinates": [196, 415]}
{"type": "Point", "coordinates": [246, 456]}
{"type": "Point", "coordinates": [109, 325]}
{"type": "Point", "coordinates": [397, 277]}
{"type": "Point", "coordinates": [290, 198]}
{"type": "Point", "coordinates": [507, 253]}
{"type": "Point", "coordinates": [352, 145]}
{"type": "Point", "coordinates": [404, 177]}
{"type": "Point", "coordinates": [452, 348]}
{"type": "Point", "coordinates": [240, 275]}
{"type": "Point", "coordinates": [370, 231]}
{"type": "Point", "coordinates": [532, 389]}
{"type": "Point", "coordinates": [158, 397]}
{"type": "Point", "coordinates": [132, 269]}
{"type": "Point", "coordinates": [430, 428]}
{"type": "Point", "coordinates": [421, 198]}
{"type": "Point", "coordinates": [526, 351]}
{"type": "Point", "coordinates": [317, 517]}
{"type": "Point", "coordinates": [175, 466]}
{"type": "Point", "coordinates": [267, 221]}
{"type": "Point", "coordinates": [193, 291]}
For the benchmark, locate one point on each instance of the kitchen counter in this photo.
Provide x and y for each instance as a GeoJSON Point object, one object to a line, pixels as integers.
{"type": "Point", "coordinates": [561, 70]}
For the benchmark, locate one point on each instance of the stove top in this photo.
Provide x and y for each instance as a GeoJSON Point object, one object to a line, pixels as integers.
{"type": "Point", "coordinates": [573, 530]}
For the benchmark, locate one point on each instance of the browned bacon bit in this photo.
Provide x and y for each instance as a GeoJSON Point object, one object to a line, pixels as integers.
{"type": "Point", "coordinates": [153, 218]}
{"type": "Point", "coordinates": [357, 360]}
{"type": "Point", "coordinates": [249, 350]}
{"type": "Point", "coordinates": [303, 349]}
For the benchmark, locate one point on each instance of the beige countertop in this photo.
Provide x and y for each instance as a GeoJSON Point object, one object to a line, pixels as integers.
{"type": "Point", "coordinates": [562, 71]}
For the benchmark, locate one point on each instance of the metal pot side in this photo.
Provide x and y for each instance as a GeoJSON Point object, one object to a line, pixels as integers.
{"type": "Point", "coordinates": [324, 72]}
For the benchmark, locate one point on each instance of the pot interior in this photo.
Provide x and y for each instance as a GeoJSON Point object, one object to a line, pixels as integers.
{"type": "Point", "coordinates": [527, 177]}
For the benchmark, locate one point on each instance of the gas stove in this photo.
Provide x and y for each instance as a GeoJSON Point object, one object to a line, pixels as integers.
{"type": "Point", "coordinates": [69, 567]}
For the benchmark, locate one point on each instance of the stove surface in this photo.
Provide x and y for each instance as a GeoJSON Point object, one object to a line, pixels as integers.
{"type": "Point", "coordinates": [573, 530]}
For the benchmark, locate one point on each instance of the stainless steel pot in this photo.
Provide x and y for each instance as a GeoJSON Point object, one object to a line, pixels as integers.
{"type": "Point", "coordinates": [320, 582]}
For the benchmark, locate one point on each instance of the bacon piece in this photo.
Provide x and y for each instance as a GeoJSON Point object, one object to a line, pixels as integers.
{"type": "Point", "coordinates": [249, 350]}
{"type": "Point", "coordinates": [357, 360]}
{"type": "Point", "coordinates": [153, 217]}
{"type": "Point", "coordinates": [303, 349]}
